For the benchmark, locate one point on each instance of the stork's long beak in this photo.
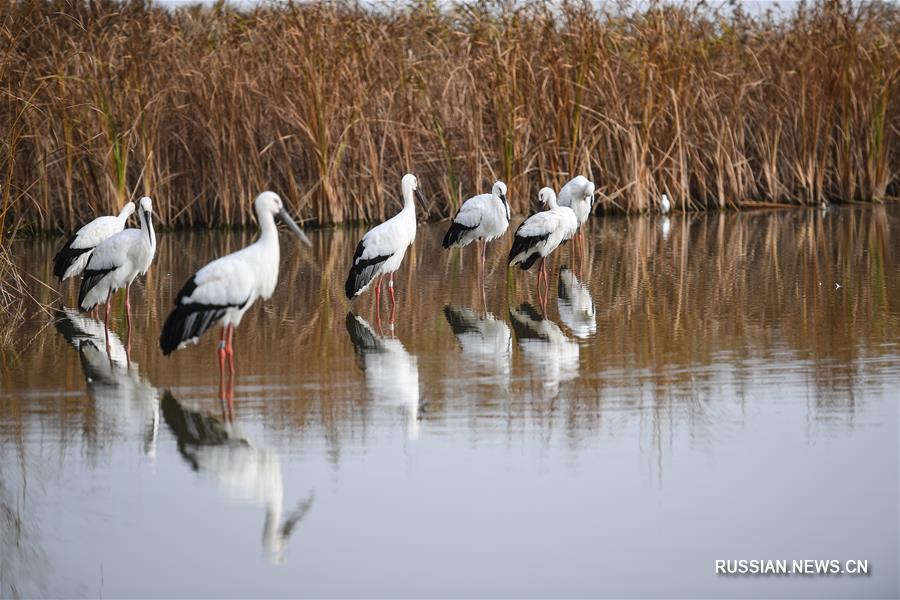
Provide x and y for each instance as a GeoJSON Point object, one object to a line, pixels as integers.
{"type": "Point", "coordinates": [294, 227]}
{"type": "Point", "coordinates": [148, 217]}
{"type": "Point", "coordinates": [420, 197]}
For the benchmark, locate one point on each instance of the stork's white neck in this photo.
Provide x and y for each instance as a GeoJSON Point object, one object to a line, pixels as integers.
{"type": "Point", "coordinates": [268, 255]}
{"type": "Point", "coordinates": [552, 203]}
{"type": "Point", "coordinates": [267, 227]}
{"type": "Point", "coordinates": [408, 199]}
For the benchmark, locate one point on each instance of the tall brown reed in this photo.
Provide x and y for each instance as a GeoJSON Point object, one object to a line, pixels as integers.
{"type": "Point", "coordinates": [329, 103]}
{"type": "Point", "coordinates": [12, 296]}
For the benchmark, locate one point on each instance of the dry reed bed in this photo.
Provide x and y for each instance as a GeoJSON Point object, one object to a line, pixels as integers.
{"type": "Point", "coordinates": [330, 103]}
{"type": "Point", "coordinates": [12, 296]}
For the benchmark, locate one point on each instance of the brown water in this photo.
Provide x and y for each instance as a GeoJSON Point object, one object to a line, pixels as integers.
{"type": "Point", "coordinates": [717, 387]}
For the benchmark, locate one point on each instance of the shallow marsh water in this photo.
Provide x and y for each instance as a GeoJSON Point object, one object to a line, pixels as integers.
{"type": "Point", "coordinates": [708, 387]}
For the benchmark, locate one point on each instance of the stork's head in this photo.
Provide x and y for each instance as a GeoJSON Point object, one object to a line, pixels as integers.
{"type": "Point", "coordinates": [409, 182]}
{"type": "Point", "coordinates": [146, 218]}
{"type": "Point", "coordinates": [499, 190]}
{"type": "Point", "coordinates": [588, 188]}
{"type": "Point", "coordinates": [126, 211]}
{"type": "Point", "coordinates": [547, 197]}
{"type": "Point", "coordinates": [410, 187]}
{"type": "Point", "coordinates": [583, 185]}
{"type": "Point", "coordinates": [270, 203]}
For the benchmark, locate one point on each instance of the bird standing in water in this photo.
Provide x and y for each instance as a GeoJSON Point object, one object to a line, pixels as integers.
{"type": "Point", "coordinates": [381, 250]}
{"type": "Point", "coordinates": [221, 292]}
{"type": "Point", "coordinates": [115, 263]}
{"type": "Point", "coordinates": [74, 255]}
{"type": "Point", "coordinates": [542, 233]}
{"type": "Point", "coordinates": [578, 194]}
{"type": "Point", "coordinates": [480, 219]}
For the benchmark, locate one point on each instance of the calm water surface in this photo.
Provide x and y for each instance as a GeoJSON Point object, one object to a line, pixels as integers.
{"type": "Point", "coordinates": [705, 387]}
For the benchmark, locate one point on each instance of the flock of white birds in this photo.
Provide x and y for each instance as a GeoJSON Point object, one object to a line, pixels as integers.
{"type": "Point", "coordinates": [108, 257]}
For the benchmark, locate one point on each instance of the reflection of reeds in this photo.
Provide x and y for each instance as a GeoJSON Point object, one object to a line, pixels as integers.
{"type": "Point", "coordinates": [330, 103]}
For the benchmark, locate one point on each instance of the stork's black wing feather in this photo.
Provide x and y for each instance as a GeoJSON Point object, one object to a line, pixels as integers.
{"type": "Point", "coordinates": [456, 231]}
{"type": "Point", "coordinates": [190, 320]}
{"type": "Point", "coordinates": [524, 244]}
{"type": "Point", "coordinates": [66, 256]}
{"type": "Point", "coordinates": [362, 271]}
{"type": "Point", "coordinates": [90, 279]}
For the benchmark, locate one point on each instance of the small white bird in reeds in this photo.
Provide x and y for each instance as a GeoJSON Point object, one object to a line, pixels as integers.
{"type": "Point", "coordinates": [665, 207]}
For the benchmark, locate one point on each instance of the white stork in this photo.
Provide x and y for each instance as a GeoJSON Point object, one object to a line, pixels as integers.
{"type": "Point", "coordinates": [578, 195]}
{"type": "Point", "coordinates": [73, 256]}
{"type": "Point", "coordinates": [664, 205]}
{"type": "Point", "coordinates": [222, 291]}
{"type": "Point", "coordinates": [382, 248]}
{"type": "Point", "coordinates": [542, 233]}
{"type": "Point", "coordinates": [482, 218]}
{"type": "Point", "coordinates": [116, 261]}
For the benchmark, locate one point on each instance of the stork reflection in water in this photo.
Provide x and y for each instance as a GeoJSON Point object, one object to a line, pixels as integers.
{"type": "Point", "coordinates": [486, 343]}
{"type": "Point", "coordinates": [551, 356]}
{"type": "Point", "coordinates": [217, 448]}
{"type": "Point", "coordinates": [123, 399]}
{"type": "Point", "coordinates": [392, 373]}
{"type": "Point", "coordinates": [576, 307]}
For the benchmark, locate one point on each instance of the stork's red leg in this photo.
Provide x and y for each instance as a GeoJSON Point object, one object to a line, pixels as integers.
{"type": "Point", "coordinates": [378, 300]}
{"type": "Point", "coordinates": [128, 307]}
{"type": "Point", "coordinates": [540, 281]}
{"type": "Point", "coordinates": [229, 349]}
{"type": "Point", "coordinates": [378, 290]}
{"type": "Point", "coordinates": [106, 320]}
{"type": "Point", "coordinates": [391, 290]}
{"type": "Point", "coordinates": [221, 353]}
{"type": "Point", "coordinates": [483, 256]}
{"type": "Point", "coordinates": [229, 396]}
